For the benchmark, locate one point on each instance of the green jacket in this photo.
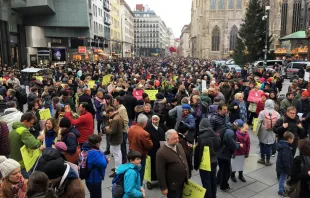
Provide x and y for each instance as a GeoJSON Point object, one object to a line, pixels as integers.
{"type": "Point", "coordinates": [19, 137]}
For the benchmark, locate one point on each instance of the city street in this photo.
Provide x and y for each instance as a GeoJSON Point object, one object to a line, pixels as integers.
{"type": "Point", "coordinates": [261, 180]}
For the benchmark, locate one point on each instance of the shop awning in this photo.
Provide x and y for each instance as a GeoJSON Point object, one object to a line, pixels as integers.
{"type": "Point", "coordinates": [104, 54]}
{"type": "Point", "coordinates": [295, 35]}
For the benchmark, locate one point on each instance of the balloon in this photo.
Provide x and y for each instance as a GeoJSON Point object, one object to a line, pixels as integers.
{"type": "Point", "coordinates": [157, 83]}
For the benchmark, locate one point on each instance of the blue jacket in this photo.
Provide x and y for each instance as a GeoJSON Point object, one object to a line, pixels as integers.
{"type": "Point", "coordinates": [229, 144]}
{"type": "Point", "coordinates": [132, 181]}
{"type": "Point", "coordinates": [285, 158]}
{"type": "Point", "coordinates": [96, 163]}
{"type": "Point", "coordinates": [98, 106]}
{"type": "Point", "coordinates": [190, 122]}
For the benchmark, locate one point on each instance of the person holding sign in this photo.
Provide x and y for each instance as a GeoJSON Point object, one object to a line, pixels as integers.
{"type": "Point", "coordinates": [207, 138]}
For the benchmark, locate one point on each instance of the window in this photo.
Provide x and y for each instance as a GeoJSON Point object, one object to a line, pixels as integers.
{"type": "Point", "coordinates": [283, 17]}
{"type": "Point", "coordinates": [220, 4]}
{"type": "Point", "coordinates": [233, 37]}
{"type": "Point", "coordinates": [230, 4]}
{"type": "Point", "coordinates": [296, 24]}
{"type": "Point", "coordinates": [89, 4]}
{"type": "Point", "coordinates": [216, 38]}
{"type": "Point", "coordinates": [239, 4]}
{"type": "Point", "coordinates": [212, 5]}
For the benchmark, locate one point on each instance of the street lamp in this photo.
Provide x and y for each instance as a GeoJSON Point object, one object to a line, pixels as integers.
{"type": "Point", "coordinates": [122, 34]}
{"type": "Point", "coordinates": [266, 17]}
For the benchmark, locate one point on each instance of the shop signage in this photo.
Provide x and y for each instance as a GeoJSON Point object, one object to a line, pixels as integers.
{"type": "Point", "coordinates": [82, 49]}
{"type": "Point", "coordinates": [56, 40]}
{"type": "Point", "coordinates": [97, 50]}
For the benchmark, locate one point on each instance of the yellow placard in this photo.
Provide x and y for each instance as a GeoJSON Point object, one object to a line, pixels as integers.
{"type": "Point", "coordinates": [29, 156]}
{"type": "Point", "coordinates": [175, 78]}
{"type": "Point", "coordinates": [40, 78]}
{"type": "Point", "coordinates": [91, 83]}
{"type": "Point", "coordinates": [106, 79]}
{"type": "Point", "coordinates": [255, 120]}
{"type": "Point", "coordinates": [193, 190]}
{"type": "Point", "coordinates": [147, 173]}
{"type": "Point", "coordinates": [45, 114]}
{"type": "Point", "coordinates": [205, 160]}
{"type": "Point", "coordinates": [1, 79]}
{"type": "Point", "coordinates": [151, 93]}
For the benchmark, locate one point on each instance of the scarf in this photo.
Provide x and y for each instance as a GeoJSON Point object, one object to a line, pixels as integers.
{"type": "Point", "coordinates": [243, 111]}
{"type": "Point", "coordinates": [99, 100]}
{"type": "Point", "coordinates": [19, 189]}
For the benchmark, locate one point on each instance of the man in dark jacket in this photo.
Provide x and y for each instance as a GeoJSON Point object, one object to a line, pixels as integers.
{"type": "Point", "coordinates": [303, 107]}
{"type": "Point", "coordinates": [290, 122]}
{"type": "Point", "coordinates": [218, 120]}
{"type": "Point", "coordinates": [32, 95]}
{"type": "Point", "coordinates": [171, 166]}
{"type": "Point", "coordinates": [226, 89]}
{"type": "Point", "coordinates": [228, 147]}
{"type": "Point", "coordinates": [86, 98]}
{"type": "Point", "coordinates": [130, 103]}
{"type": "Point", "coordinates": [207, 137]}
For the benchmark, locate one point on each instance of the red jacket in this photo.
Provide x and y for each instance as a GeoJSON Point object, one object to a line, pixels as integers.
{"type": "Point", "coordinates": [260, 107]}
{"type": "Point", "coordinates": [245, 140]}
{"type": "Point", "coordinates": [84, 124]}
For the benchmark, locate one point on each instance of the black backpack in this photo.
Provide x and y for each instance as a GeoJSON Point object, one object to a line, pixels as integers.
{"type": "Point", "coordinates": [118, 185]}
{"type": "Point", "coordinates": [21, 95]}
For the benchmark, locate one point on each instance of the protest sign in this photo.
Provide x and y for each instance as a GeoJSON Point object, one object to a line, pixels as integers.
{"type": "Point", "coordinates": [106, 79]}
{"type": "Point", "coordinates": [40, 78]}
{"type": "Point", "coordinates": [205, 163]}
{"type": "Point", "coordinates": [255, 96]}
{"type": "Point", "coordinates": [151, 93]}
{"type": "Point", "coordinates": [147, 173]}
{"type": "Point", "coordinates": [29, 156]}
{"type": "Point", "coordinates": [204, 84]}
{"type": "Point", "coordinates": [91, 83]}
{"type": "Point", "coordinates": [45, 114]}
{"type": "Point", "coordinates": [138, 94]}
{"type": "Point", "coordinates": [193, 190]}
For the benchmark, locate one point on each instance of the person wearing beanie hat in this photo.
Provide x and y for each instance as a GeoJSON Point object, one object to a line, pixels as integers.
{"type": "Point", "coordinates": [61, 147]}
{"type": "Point", "coordinates": [57, 170]}
{"type": "Point", "coordinates": [305, 94]}
{"type": "Point", "coordinates": [186, 107]}
{"type": "Point", "coordinates": [189, 120]}
{"type": "Point", "coordinates": [13, 184]}
{"type": "Point", "coordinates": [159, 96]}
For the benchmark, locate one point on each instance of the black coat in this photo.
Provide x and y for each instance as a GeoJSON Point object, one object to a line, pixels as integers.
{"type": "Point", "coordinates": [285, 158]}
{"type": "Point", "coordinates": [156, 136]}
{"type": "Point", "coordinates": [234, 113]}
{"type": "Point", "coordinates": [86, 98]}
{"type": "Point", "coordinates": [297, 174]}
{"type": "Point", "coordinates": [130, 103]}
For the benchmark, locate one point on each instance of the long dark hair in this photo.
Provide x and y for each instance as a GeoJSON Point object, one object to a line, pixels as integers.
{"type": "Point", "coordinates": [38, 183]}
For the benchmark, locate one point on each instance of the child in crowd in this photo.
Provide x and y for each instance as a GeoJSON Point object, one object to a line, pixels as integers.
{"type": "Point", "coordinates": [284, 160]}
{"type": "Point", "coordinates": [241, 153]}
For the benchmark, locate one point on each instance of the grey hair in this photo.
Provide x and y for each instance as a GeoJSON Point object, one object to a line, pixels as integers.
{"type": "Point", "coordinates": [169, 133]}
{"type": "Point", "coordinates": [142, 119]}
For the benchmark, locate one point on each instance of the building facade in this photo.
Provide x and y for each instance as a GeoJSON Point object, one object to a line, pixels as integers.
{"type": "Point", "coordinates": [185, 44]}
{"type": "Point", "coordinates": [127, 29]}
{"type": "Point", "coordinates": [115, 28]}
{"type": "Point", "coordinates": [41, 32]}
{"type": "Point", "coordinates": [150, 33]}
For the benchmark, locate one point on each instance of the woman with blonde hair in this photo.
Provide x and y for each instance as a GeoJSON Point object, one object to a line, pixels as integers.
{"type": "Point", "coordinates": [238, 108]}
{"type": "Point", "coordinates": [50, 132]}
{"type": "Point", "coordinates": [13, 183]}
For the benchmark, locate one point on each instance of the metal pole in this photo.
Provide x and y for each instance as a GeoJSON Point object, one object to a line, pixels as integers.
{"type": "Point", "coordinates": [122, 35]}
{"type": "Point", "coordinates": [267, 36]}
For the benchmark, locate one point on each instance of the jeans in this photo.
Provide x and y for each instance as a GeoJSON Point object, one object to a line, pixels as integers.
{"type": "Point", "coordinates": [223, 173]}
{"type": "Point", "coordinates": [142, 170]}
{"type": "Point", "coordinates": [117, 153]}
{"type": "Point", "coordinates": [282, 179]}
{"type": "Point", "coordinates": [94, 190]}
{"type": "Point", "coordinates": [175, 193]}
{"type": "Point", "coordinates": [99, 126]}
{"type": "Point", "coordinates": [124, 148]}
{"type": "Point", "coordinates": [108, 142]}
{"type": "Point", "coordinates": [265, 150]}
{"type": "Point", "coordinates": [208, 180]}
{"type": "Point", "coordinates": [24, 173]}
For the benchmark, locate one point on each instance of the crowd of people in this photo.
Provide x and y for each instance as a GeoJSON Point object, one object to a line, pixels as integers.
{"type": "Point", "coordinates": [195, 105]}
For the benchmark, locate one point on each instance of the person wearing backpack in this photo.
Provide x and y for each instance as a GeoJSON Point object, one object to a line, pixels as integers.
{"type": "Point", "coordinates": [267, 119]}
{"type": "Point", "coordinates": [92, 165]}
{"type": "Point", "coordinates": [127, 182]}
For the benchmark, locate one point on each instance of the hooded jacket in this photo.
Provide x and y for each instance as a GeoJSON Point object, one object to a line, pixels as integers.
{"type": "Point", "coordinates": [19, 137]}
{"type": "Point", "coordinates": [244, 139]}
{"type": "Point", "coordinates": [132, 181]}
{"type": "Point", "coordinates": [266, 136]}
{"type": "Point", "coordinates": [70, 138]}
{"type": "Point", "coordinates": [206, 137]}
{"type": "Point", "coordinates": [96, 163]}
{"type": "Point", "coordinates": [285, 158]}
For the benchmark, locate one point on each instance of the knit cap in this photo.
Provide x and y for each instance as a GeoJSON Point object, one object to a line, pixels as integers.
{"type": "Point", "coordinates": [60, 146]}
{"type": "Point", "coordinates": [7, 166]}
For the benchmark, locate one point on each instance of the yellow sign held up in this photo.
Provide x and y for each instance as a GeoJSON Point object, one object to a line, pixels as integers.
{"type": "Point", "coordinates": [151, 93]}
{"type": "Point", "coordinates": [106, 79]}
{"type": "Point", "coordinates": [175, 78]}
{"type": "Point", "coordinates": [147, 173]}
{"type": "Point", "coordinates": [45, 114]}
{"type": "Point", "coordinates": [193, 190]}
{"type": "Point", "coordinates": [40, 78]}
{"type": "Point", "coordinates": [205, 161]}
{"type": "Point", "coordinates": [255, 120]}
{"type": "Point", "coordinates": [91, 83]}
{"type": "Point", "coordinates": [29, 156]}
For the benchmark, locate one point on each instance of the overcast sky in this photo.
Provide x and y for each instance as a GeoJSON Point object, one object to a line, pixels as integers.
{"type": "Point", "coordinates": [175, 13]}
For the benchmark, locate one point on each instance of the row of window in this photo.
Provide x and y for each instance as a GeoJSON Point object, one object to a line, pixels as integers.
{"type": "Point", "coordinates": [216, 38]}
{"type": "Point", "coordinates": [221, 4]}
{"type": "Point", "coordinates": [148, 45]}
{"type": "Point", "coordinates": [98, 27]}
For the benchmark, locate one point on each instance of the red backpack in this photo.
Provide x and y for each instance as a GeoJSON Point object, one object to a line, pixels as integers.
{"type": "Point", "coordinates": [270, 119]}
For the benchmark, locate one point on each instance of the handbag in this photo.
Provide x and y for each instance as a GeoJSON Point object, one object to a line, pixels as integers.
{"type": "Point", "coordinates": [73, 158]}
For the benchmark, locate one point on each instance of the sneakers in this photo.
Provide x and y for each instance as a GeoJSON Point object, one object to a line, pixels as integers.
{"type": "Point", "coordinates": [113, 169]}
{"type": "Point", "coordinates": [273, 155]}
{"type": "Point", "coordinates": [113, 175]}
{"type": "Point", "coordinates": [268, 163]}
{"type": "Point", "coordinates": [227, 189]}
{"type": "Point", "coordinates": [261, 161]}
{"type": "Point", "coordinates": [282, 194]}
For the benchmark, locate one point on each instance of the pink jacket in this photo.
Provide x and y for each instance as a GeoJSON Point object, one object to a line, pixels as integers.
{"type": "Point", "coordinates": [245, 140]}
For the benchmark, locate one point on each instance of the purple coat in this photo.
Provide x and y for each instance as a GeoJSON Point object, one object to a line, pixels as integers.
{"type": "Point", "coordinates": [245, 140]}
